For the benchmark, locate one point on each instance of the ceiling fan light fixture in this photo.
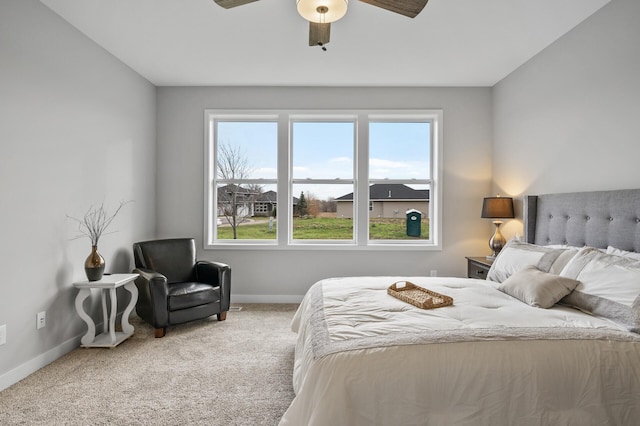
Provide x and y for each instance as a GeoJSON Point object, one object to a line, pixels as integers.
{"type": "Point", "coordinates": [322, 11]}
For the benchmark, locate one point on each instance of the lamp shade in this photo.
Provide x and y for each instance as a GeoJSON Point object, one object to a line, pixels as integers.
{"type": "Point", "coordinates": [497, 208]}
{"type": "Point", "coordinates": [322, 11]}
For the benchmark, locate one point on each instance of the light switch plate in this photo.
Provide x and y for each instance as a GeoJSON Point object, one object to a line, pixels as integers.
{"type": "Point", "coordinates": [3, 334]}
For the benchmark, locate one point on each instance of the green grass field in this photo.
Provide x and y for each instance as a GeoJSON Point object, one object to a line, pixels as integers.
{"type": "Point", "coordinates": [325, 228]}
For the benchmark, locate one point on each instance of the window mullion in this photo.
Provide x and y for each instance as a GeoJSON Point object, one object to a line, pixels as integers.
{"type": "Point", "coordinates": [284, 180]}
{"type": "Point", "coordinates": [361, 172]}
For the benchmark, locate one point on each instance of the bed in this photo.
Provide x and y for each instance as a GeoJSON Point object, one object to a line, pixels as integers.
{"type": "Point", "coordinates": [551, 339]}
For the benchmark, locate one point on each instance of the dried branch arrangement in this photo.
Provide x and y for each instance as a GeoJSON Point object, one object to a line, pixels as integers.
{"type": "Point", "coordinates": [95, 222]}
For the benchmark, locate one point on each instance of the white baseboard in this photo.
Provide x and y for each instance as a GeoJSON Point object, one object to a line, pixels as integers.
{"type": "Point", "coordinates": [261, 298]}
{"type": "Point", "coordinates": [14, 376]}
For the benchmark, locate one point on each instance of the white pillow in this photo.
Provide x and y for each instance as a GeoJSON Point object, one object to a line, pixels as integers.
{"type": "Point", "coordinates": [609, 286]}
{"type": "Point", "coordinates": [536, 288]}
{"type": "Point", "coordinates": [623, 253]}
{"type": "Point", "coordinates": [516, 255]}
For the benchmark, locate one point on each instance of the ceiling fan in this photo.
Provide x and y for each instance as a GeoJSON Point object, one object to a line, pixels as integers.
{"type": "Point", "coordinates": [321, 13]}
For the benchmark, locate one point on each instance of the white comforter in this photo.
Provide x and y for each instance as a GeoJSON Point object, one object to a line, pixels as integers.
{"type": "Point", "coordinates": [366, 358]}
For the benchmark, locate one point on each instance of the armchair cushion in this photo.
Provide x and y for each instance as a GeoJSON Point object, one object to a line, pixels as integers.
{"type": "Point", "coordinates": [190, 294]}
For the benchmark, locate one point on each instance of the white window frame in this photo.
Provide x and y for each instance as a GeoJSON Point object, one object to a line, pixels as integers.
{"type": "Point", "coordinates": [434, 151]}
{"type": "Point", "coordinates": [323, 117]}
{"type": "Point", "coordinates": [211, 179]}
{"type": "Point", "coordinates": [284, 181]}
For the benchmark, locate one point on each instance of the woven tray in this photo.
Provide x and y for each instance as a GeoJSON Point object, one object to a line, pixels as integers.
{"type": "Point", "coordinates": [418, 296]}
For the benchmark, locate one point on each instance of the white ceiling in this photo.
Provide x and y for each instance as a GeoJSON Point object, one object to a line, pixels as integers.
{"type": "Point", "coordinates": [196, 42]}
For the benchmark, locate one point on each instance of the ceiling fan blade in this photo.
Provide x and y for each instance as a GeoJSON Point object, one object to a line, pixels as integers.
{"type": "Point", "coordinates": [319, 34]}
{"type": "Point", "coordinates": [228, 4]}
{"type": "Point", "coordinates": [410, 8]}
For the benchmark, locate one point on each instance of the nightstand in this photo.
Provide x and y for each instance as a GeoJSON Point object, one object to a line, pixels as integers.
{"type": "Point", "coordinates": [478, 267]}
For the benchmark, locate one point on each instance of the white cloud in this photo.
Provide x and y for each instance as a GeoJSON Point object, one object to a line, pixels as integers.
{"type": "Point", "coordinates": [341, 160]}
{"type": "Point", "coordinates": [388, 169]}
{"type": "Point", "coordinates": [387, 164]}
{"type": "Point", "coordinates": [265, 173]}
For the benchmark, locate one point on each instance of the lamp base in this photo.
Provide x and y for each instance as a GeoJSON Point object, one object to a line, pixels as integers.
{"type": "Point", "coordinates": [497, 241]}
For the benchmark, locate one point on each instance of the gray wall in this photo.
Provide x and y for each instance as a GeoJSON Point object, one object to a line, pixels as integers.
{"type": "Point", "coordinates": [568, 119]}
{"type": "Point", "coordinates": [285, 275]}
{"type": "Point", "coordinates": [77, 127]}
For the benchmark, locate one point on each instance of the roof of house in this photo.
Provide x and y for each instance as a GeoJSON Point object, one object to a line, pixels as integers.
{"type": "Point", "coordinates": [272, 197]}
{"type": "Point", "coordinates": [225, 192]}
{"type": "Point", "coordinates": [268, 197]}
{"type": "Point", "coordinates": [263, 197]}
{"type": "Point", "coordinates": [391, 192]}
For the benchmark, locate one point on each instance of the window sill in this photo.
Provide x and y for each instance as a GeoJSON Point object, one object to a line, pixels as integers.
{"type": "Point", "coordinates": [322, 247]}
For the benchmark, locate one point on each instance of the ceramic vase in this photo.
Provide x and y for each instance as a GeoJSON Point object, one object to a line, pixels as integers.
{"type": "Point", "coordinates": [94, 265]}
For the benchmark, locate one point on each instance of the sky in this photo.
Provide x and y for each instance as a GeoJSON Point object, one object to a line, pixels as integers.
{"type": "Point", "coordinates": [325, 150]}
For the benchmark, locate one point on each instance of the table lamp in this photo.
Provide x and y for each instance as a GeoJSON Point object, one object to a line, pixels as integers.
{"type": "Point", "coordinates": [497, 208]}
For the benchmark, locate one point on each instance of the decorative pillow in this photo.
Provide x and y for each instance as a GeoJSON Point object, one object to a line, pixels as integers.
{"type": "Point", "coordinates": [562, 260]}
{"type": "Point", "coordinates": [623, 253]}
{"type": "Point", "coordinates": [609, 286]}
{"type": "Point", "coordinates": [516, 255]}
{"type": "Point", "coordinates": [536, 288]}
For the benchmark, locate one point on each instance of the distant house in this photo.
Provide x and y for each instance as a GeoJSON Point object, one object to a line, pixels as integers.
{"type": "Point", "coordinates": [265, 203]}
{"type": "Point", "coordinates": [249, 203]}
{"type": "Point", "coordinates": [242, 197]}
{"type": "Point", "coordinates": [387, 200]}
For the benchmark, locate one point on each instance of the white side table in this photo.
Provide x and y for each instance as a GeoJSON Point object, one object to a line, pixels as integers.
{"type": "Point", "coordinates": [110, 338]}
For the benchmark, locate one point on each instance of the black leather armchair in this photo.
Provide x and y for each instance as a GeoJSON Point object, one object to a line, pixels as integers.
{"type": "Point", "coordinates": [174, 288]}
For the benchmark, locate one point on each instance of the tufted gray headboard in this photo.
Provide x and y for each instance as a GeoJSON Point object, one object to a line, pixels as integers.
{"type": "Point", "coordinates": [596, 219]}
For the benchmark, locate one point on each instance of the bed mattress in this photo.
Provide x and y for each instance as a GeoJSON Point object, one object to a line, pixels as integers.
{"type": "Point", "coordinates": [366, 358]}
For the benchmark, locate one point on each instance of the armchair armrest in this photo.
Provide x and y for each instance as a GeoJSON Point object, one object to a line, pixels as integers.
{"type": "Point", "coordinates": [153, 291]}
{"type": "Point", "coordinates": [219, 274]}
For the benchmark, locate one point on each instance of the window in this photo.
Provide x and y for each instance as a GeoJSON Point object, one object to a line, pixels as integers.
{"type": "Point", "coordinates": [243, 174]}
{"type": "Point", "coordinates": [399, 177]}
{"type": "Point", "coordinates": [322, 168]}
{"type": "Point", "coordinates": [317, 179]}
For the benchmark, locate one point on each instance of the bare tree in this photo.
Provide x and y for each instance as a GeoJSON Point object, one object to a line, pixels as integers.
{"type": "Point", "coordinates": [235, 202]}
{"type": "Point", "coordinates": [313, 205]}
{"type": "Point", "coordinates": [255, 189]}
{"type": "Point", "coordinates": [328, 205]}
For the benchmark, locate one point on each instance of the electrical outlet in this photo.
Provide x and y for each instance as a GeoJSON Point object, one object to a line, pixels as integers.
{"type": "Point", "coordinates": [3, 334]}
{"type": "Point", "coordinates": [434, 272]}
{"type": "Point", "coordinates": [41, 320]}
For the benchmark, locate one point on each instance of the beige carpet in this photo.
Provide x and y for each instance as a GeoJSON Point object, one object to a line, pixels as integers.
{"type": "Point", "coordinates": [233, 372]}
